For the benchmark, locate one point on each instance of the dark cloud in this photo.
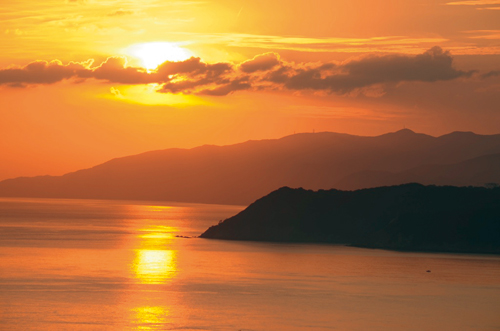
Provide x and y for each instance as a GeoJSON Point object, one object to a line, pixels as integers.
{"type": "Point", "coordinates": [431, 66]}
{"type": "Point", "coordinates": [39, 72]}
{"type": "Point", "coordinates": [114, 70]}
{"type": "Point", "coordinates": [193, 67]}
{"type": "Point", "coordinates": [186, 76]}
{"type": "Point", "coordinates": [235, 85]}
{"type": "Point", "coordinates": [261, 62]}
{"type": "Point", "coordinates": [185, 86]}
{"type": "Point", "coordinates": [265, 71]}
{"type": "Point", "coordinates": [490, 74]}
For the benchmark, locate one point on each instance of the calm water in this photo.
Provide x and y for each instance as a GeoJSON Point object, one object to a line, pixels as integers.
{"type": "Point", "coordinates": [107, 265]}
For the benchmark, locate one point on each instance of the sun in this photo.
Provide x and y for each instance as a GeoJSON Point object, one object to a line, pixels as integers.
{"type": "Point", "coordinates": [155, 53]}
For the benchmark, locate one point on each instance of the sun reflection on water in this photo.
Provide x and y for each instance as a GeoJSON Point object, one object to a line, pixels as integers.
{"type": "Point", "coordinates": [158, 208]}
{"type": "Point", "coordinates": [155, 266]}
{"type": "Point", "coordinates": [150, 318]}
{"type": "Point", "coordinates": [155, 262]}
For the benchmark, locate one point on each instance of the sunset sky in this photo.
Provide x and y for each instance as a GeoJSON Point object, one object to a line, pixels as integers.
{"type": "Point", "coordinates": [84, 81]}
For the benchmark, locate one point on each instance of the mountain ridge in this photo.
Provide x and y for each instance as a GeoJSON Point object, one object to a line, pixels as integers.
{"type": "Point", "coordinates": [240, 173]}
{"type": "Point", "coordinates": [478, 171]}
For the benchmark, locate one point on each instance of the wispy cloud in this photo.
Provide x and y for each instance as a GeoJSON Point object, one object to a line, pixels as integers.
{"type": "Point", "coordinates": [493, 73]}
{"type": "Point", "coordinates": [382, 44]}
{"type": "Point", "coordinates": [484, 34]}
{"type": "Point", "coordinates": [474, 3]}
{"type": "Point", "coordinates": [121, 12]}
{"type": "Point", "coordinates": [480, 4]}
{"type": "Point", "coordinates": [298, 43]}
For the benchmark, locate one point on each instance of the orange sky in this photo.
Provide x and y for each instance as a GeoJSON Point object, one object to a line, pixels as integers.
{"type": "Point", "coordinates": [258, 69]}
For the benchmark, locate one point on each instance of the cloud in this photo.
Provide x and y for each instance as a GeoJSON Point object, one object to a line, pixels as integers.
{"type": "Point", "coordinates": [263, 72]}
{"type": "Point", "coordinates": [494, 73]}
{"type": "Point", "coordinates": [40, 72]}
{"type": "Point", "coordinates": [235, 85]}
{"type": "Point", "coordinates": [121, 12]}
{"type": "Point", "coordinates": [116, 92]}
{"type": "Point", "coordinates": [189, 75]}
{"type": "Point", "coordinates": [484, 34]}
{"type": "Point", "coordinates": [480, 4]}
{"type": "Point", "coordinates": [115, 70]}
{"type": "Point", "coordinates": [474, 3]}
{"type": "Point", "coordinates": [433, 65]}
{"type": "Point", "coordinates": [267, 71]}
{"type": "Point", "coordinates": [192, 67]}
{"type": "Point", "coordinates": [389, 44]}
{"type": "Point", "coordinates": [261, 62]}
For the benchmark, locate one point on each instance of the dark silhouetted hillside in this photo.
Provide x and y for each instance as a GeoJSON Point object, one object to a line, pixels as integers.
{"type": "Point", "coordinates": [405, 217]}
{"type": "Point", "coordinates": [241, 173]}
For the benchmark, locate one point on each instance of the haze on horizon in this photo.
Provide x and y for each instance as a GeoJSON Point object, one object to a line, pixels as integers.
{"type": "Point", "coordinates": [84, 81]}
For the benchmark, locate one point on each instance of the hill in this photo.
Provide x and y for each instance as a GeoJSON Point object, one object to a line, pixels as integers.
{"type": "Point", "coordinates": [405, 217]}
{"type": "Point", "coordinates": [240, 173]}
{"type": "Point", "coordinates": [478, 171]}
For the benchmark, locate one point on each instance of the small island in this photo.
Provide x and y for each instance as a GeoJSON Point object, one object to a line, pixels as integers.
{"type": "Point", "coordinates": [406, 217]}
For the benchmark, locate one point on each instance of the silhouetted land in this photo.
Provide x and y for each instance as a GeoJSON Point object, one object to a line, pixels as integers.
{"type": "Point", "coordinates": [241, 173]}
{"type": "Point", "coordinates": [405, 217]}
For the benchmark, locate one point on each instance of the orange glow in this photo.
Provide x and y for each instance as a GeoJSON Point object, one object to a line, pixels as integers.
{"type": "Point", "coordinates": [72, 121]}
{"type": "Point", "coordinates": [148, 95]}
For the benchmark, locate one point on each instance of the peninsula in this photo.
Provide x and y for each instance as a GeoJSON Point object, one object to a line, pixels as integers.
{"type": "Point", "coordinates": [405, 217]}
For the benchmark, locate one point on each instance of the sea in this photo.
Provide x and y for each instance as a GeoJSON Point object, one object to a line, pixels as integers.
{"type": "Point", "coordinates": [136, 265]}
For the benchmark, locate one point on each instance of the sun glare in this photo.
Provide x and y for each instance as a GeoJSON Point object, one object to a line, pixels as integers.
{"type": "Point", "coordinates": [155, 53]}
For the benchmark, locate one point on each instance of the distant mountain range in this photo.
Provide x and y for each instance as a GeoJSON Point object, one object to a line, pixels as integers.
{"type": "Point", "coordinates": [241, 173]}
{"type": "Point", "coordinates": [406, 217]}
{"type": "Point", "coordinates": [479, 171]}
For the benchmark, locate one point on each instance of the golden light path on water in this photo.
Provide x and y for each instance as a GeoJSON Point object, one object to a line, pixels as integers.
{"type": "Point", "coordinates": [147, 317]}
{"type": "Point", "coordinates": [154, 262]}
{"type": "Point", "coordinates": [154, 266]}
